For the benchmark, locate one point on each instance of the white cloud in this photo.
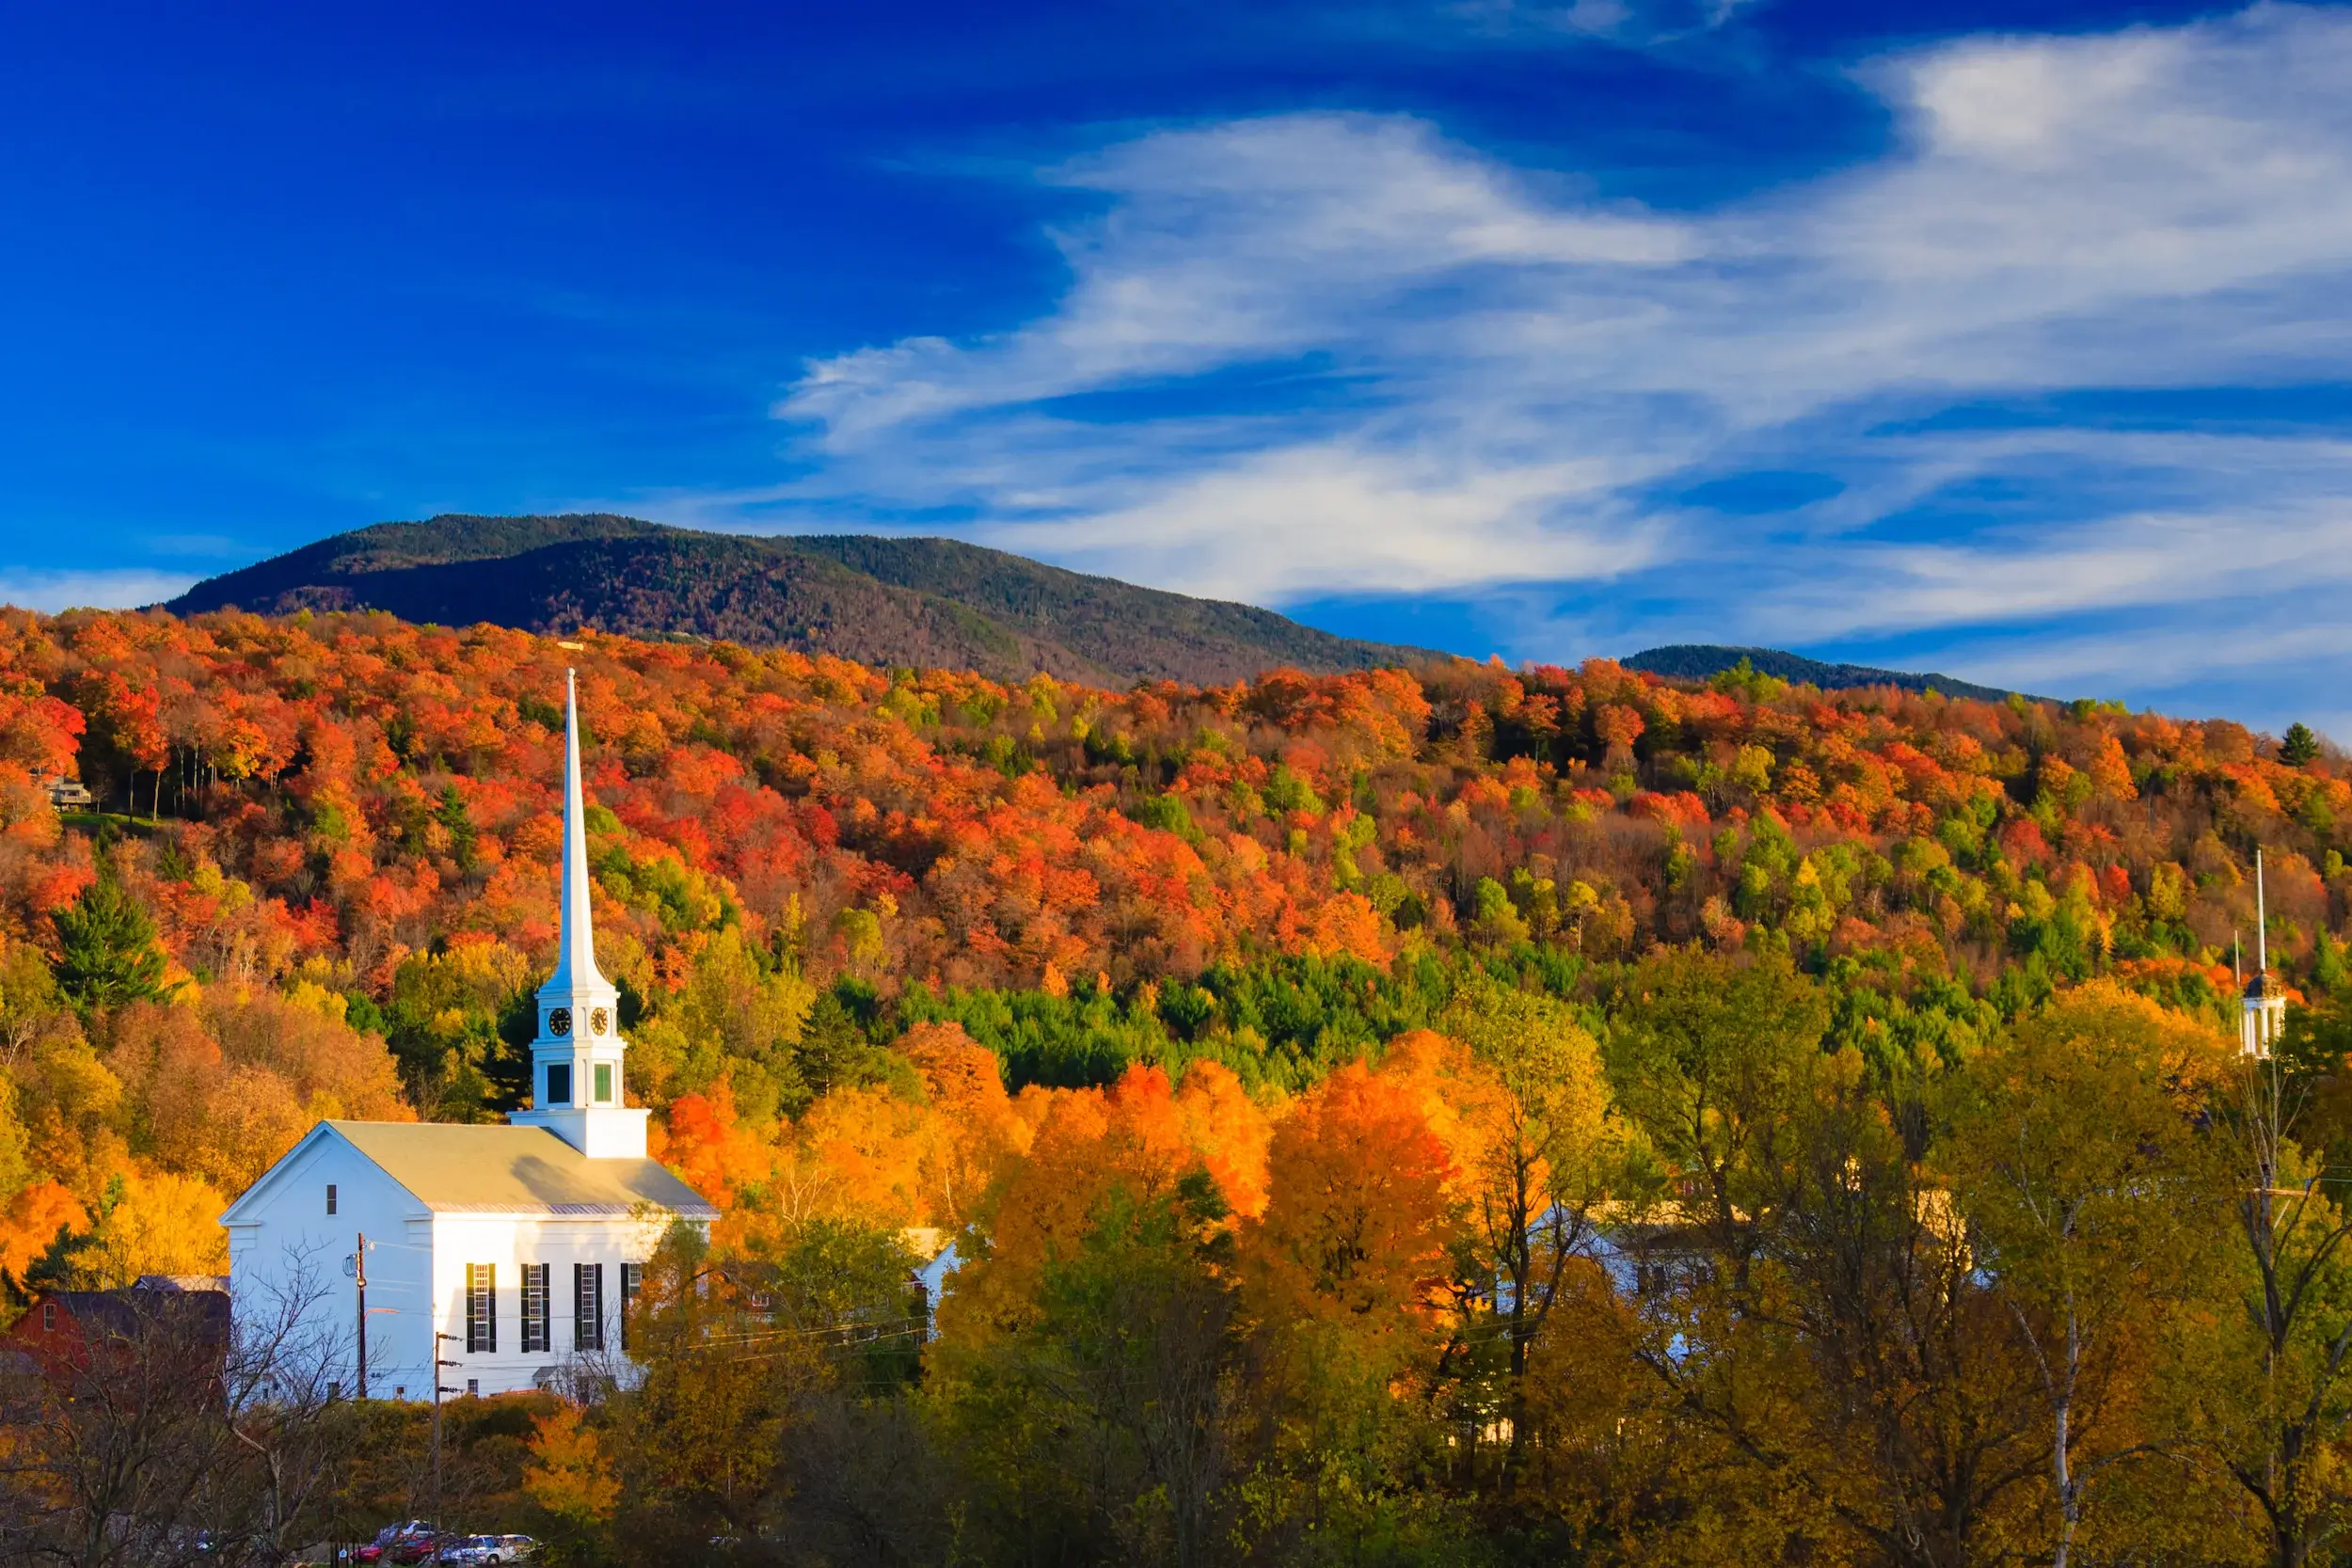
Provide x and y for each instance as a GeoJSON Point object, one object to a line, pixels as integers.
{"type": "Point", "coordinates": [127, 589]}
{"type": "Point", "coordinates": [1436, 529]}
{"type": "Point", "coordinates": [1236, 244]}
{"type": "Point", "coordinates": [1488, 378]}
{"type": "Point", "coordinates": [2242, 517]}
{"type": "Point", "coordinates": [1643, 23]}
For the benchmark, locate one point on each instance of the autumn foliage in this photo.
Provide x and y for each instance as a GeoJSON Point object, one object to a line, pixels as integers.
{"type": "Point", "coordinates": [1410, 1107]}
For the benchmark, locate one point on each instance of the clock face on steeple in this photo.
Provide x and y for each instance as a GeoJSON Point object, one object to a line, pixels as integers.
{"type": "Point", "coordinates": [560, 1022]}
{"type": "Point", "coordinates": [600, 1021]}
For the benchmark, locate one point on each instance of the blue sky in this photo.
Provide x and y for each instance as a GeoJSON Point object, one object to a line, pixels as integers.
{"type": "Point", "coordinates": [2009, 340]}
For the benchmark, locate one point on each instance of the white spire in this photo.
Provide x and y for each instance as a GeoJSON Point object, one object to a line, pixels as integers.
{"type": "Point", "coordinates": [2262, 920]}
{"type": "Point", "coordinates": [576, 960]}
{"type": "Point", "coordinates": [2263, 1012]}
{"type": "Point", "coordinates": [576, 1061]}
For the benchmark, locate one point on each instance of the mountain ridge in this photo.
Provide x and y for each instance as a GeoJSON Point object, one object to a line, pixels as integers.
{"type": "Point", "coordinates": [1700, 660]}
{"type": "Point", "coordinates": [877, 599]}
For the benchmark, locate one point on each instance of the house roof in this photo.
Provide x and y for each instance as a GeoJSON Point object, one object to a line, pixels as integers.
{"type": "Point", "coordinates": [507, 1170]}
{"type": "Point", "coordinates": [181, 1283]}
{"type": "Point", "coordinates": [203, 1313]}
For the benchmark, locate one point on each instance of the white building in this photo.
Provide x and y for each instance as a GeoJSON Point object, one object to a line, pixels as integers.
{"type": "Point", "coordinates": [521, 1243]}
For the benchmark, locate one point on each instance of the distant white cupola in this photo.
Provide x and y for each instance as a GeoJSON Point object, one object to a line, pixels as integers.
{"type": "Point", "coordinates": [2263, 1010]}
{"type": "Point", "coordinates": [576, 1060]}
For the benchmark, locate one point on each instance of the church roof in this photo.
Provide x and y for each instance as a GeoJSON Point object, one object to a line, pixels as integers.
{"type": "Point", "coordinates": [455, 1169]}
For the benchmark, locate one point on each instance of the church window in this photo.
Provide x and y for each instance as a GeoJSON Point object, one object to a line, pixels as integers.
{"type": "Point", "coordinates": [49, 1317]}
{"type": "Point", "coordinates": [604, 1083]}
{"type": "Point", "coordinates": [588, 1307]}
{"type": "Point", "coordinates": [481, 1318]}
{"type": "Point", "coordinates": [331, 1198]}
{"type": "Point", "coordinates": [473, 1387]}
{"type": "Point", "coordinates": [534, 1307]}
{"type": "Point", "coordinates": [558, 1084]}
{"type": "Point", "coordinates": [632, 1281]}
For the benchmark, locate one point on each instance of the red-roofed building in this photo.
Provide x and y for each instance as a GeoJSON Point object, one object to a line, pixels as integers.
{"type": "Point", "coordinates": [66, 1332]}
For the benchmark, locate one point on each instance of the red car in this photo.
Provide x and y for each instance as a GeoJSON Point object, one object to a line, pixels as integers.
{"type": "Point", "coordinates": [394, 1541]}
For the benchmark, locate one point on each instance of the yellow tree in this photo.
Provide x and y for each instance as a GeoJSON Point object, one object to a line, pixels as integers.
{"type": "Point", "coordinates": [972, 1128]}
{"type": "Point", "coordinates": [1084, 1362]}
{"type": "Point", "coordinates": [1349, 1276]}
{"type": "Point", "coordinates": [2073, 1161]}
{"type": "Point", "coordinates": [1537, 1164]}
{"type": "Point", "coordinates": [569, 1479]}
{"type": "Point", "coordinates": [693, 1439]}
{"type": "Point", "coordinates": [1359, 1226]}
{"type": "Point", "coordinates": [2278, 1396]}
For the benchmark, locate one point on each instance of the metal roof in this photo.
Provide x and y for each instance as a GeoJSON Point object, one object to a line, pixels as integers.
{"type": "Point", "coordinates": [455, 1169]}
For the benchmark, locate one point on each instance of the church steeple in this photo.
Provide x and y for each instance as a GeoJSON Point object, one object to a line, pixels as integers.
{"type": "Point", "coordinates": [575, 1083]}
{"type": "Point", "coordinates": [2262, 1010]}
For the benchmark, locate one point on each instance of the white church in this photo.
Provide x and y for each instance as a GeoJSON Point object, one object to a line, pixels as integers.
{"type": "Point", "coordinates": [521, 1245]}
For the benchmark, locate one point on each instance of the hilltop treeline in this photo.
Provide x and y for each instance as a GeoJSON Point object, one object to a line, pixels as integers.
{"type": "Point", "coordinates": [1549, 1111]}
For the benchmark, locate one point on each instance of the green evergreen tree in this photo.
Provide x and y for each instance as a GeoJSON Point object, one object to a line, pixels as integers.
{"type": "Point", "coordinates": [2299, 746]}
{"type": "Point", "coordinates": [452, 815]}
{"type": "Point", "coordinates": [2329, 971]}
{"type": "Point", "coordinates": [108, 954]}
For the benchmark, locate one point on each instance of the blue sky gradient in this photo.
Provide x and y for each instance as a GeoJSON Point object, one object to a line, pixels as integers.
{"type": "Point", "coordinates": [2009, 340]}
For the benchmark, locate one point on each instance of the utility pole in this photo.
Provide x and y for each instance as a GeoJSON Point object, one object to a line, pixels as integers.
{"type": "Point", "coordinates": [438, 1392]}
{"type": "Point", "coordinates": [359, 1274]}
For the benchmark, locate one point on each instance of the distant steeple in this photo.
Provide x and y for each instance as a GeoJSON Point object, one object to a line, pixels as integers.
{"type": "Point", "coordinates": [2263, 1007]}
{"type": "Point", "coordinates": [576, 1091]}
{"type": "Point", "coordinates": [2261, 917]}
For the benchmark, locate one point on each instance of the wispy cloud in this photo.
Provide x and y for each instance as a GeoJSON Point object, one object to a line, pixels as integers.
{"type": "Point", "coordinates": [1482, 378]}
{"type": "Point", "coordinates": [218, 546]}
{"type": "Point", "coordinates": [1636, 23]}
{"type": "Point", "coordinates": [127, 589]}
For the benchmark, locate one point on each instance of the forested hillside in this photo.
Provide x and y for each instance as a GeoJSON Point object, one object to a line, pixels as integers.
{"type": "Point", "coordinates": [1705, 660]}
{"type": "Point", "coordinates": [1439, 1114]}
{"type": "Point", "coordinates": [927, 603]}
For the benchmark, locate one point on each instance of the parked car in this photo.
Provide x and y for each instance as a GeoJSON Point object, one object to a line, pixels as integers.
{"type": "Point", "coordinates": [409, 1551]}
{"type": "Point", "coordinates": [476, 1551]}
{"type": "Point", "coordinates": [520, 1548]}
{"type": "Point", "coordinates": [380, 1549]}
